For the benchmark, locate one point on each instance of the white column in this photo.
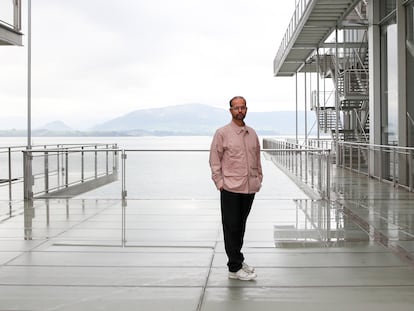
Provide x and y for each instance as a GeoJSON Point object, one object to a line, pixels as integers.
{"type": "Point", "coordinates": [402, 91]}
{"type": "Point", "coordinates": [29, 74]}
{"type": "Point", "coordinates": [374, 48]}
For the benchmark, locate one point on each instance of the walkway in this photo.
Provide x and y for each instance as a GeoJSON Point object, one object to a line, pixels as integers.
{"type": "Point", "coordinates": [308, 254]}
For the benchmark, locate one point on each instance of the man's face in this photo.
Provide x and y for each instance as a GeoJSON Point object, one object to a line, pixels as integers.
{"type": "Point", "coordinates": [238, 109]}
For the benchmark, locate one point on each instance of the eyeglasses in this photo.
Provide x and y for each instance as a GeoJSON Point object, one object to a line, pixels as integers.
{"type": "Point", "coordinates": [242, 108]}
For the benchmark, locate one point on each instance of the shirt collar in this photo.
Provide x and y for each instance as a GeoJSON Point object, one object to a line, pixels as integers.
{"type": "Point", "coordinates": [239, 129]}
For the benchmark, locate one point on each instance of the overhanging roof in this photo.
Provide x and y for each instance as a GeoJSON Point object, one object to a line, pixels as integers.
{"type": "Point", "coordinates": [9, 36]}
{"type": "Point", "coordinates": [311, 24]}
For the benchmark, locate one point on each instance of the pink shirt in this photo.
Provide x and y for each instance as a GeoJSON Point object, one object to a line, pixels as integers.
{"type": "Point", "coordinates": [235, 159]}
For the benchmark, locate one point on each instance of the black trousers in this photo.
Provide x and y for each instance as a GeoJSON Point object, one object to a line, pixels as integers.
{"type": "Point", "coordinates": [235, 207]}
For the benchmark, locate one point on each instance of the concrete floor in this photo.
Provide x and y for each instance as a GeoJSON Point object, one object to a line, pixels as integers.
{"type": "Point", "coordinates": [91, 254]}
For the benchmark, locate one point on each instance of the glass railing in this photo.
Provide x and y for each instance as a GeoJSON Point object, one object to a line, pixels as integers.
{"type": "Point", "coordinates": [68, 170]}
{"type": "Point", "coordinates": [142, 174]}
{"type": "Point", "coordinates": [11, 168]}
{"type": "Point", "coordinates": [310, 166]}
{"type": "Point", "coordinates": [165, 174]}
{"type": "Point", "coordinates": [392, 163]}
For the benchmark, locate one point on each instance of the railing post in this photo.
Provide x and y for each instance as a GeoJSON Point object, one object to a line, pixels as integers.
{"type": "Point", "coordinates": [369, 162]}
{"type": "Point", "coordinates": [123, 195]}
{"type": "Point", "coordinates": [289, 158]}
{"type": "Point", "coordinates": [300, 164]}
{"type": "Point", "coordinates": [107, 160]}
{"type": "Point", "coordinates": [410, 170]}
{"type": "Point", "coordinates": [96, 162]}
{"type": "Point", "coordinates": [10, 175]}
{"type": "Point", "coordinates": [328, 176]}
{"type": "Point", "coordinates": [46, 171]}
{"type": "Point", "coordinates": [380, 164]}
{"type": "Point", "coordinates": [312, 171]}
{"type": "Point", "coordinates": [115, 163]}
{"type": "Point", "coordinates": [123, 178]}
{"type": "Point", "coordinates": [28, 175]}
{"type": "Point", "coordinates": [394, 171]}
{"type": "Point", "coordinates": [58, 165]}
{"type": "Point", "coordinates": [66, 168]}
{"type": "Point", "coordinates": [295, 168]}
{"type": "Point", "coordinates": [82, 164]}
{"type": "Point", "coordinates": [320, 154]}
{"type": "Point", "coordinates": [359, 158]}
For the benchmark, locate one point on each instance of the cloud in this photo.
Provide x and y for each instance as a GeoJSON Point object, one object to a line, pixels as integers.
{"type": "Point", "coordinates": [103, 58]}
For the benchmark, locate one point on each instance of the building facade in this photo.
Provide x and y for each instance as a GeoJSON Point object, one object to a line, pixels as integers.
{"type": "Point", "coordinates": [10, 22]}
{"type": "Point", "coordinates": [365, 49]}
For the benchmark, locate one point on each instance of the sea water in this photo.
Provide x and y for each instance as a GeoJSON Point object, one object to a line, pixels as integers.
{"type": "Point", "coordinates": [157, 174]}
{"type": "Point", "coordinates": [139, 142]}
{"type": "Point", "coordinates": [167, 172]}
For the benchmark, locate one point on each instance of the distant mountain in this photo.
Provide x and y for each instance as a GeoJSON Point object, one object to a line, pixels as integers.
{"type": "Point", "coordinates": [198, 119]}
{"type": "Point", "coordinates": [56, 126]}
{"type": "Point", "coordinates": [190, 119]}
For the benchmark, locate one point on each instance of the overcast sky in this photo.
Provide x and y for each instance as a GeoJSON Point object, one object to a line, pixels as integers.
{"type": "Point", "coordinates": [98, 59]}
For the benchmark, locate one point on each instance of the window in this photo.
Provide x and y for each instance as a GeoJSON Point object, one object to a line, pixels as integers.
{"type": "Point", "coordinates": [387, 7]}
{"type": "Point", "coordinates": [410, 71]}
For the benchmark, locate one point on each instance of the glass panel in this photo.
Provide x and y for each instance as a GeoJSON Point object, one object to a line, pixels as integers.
{"type": "Point", "coordinates": [410, 72]}
{"type": "Point", "coordinates": [387, 7]}
{"type": "Point", "coordinates": [172, 176]}
{"type": "Point", "coordinates": [389, 84]}
{"type": "Point", "coordinates": [392, 78]}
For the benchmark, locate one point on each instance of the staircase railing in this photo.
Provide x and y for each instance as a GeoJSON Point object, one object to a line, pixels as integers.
{"type": "Point", "coordinates": [356, 83]}
{"type": "Point", "coordinates": [361, 127]}
{"type": "Point", "coordinates": [360, 54]}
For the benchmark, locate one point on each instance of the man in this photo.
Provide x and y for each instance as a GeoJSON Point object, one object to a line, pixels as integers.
{"type": "Point", "coordinates": [237, 173]}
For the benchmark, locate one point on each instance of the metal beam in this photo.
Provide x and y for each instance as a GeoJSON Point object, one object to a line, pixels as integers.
{"type": "Point", "coordinates": [316, 24]}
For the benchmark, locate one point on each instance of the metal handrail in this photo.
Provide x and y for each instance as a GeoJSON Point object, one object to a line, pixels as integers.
{"type": "Point", "coordinates": [308, 165]}
{"type": "Point", "coordinates": [62, 167]}
{"type": "Point", "coordinates": [388, 156]}
{"type": "Point", "coordinates": [376, 145]}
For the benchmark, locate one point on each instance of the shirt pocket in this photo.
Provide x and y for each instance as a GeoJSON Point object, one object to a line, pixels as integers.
{"type": "Point", "coordinates": [254, 172]}
{"type": "Point", "coordinates": [235, 151]}
{"type": "Point", "coordinates": [234, 161]}
{"type": "Point", "coordinates": [234, 170]}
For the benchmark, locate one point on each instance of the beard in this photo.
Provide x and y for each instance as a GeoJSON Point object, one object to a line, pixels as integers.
{"type": "Point", "coordinates": [239, 116]}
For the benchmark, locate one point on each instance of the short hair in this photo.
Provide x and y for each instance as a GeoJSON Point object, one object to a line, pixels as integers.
{"type": "Point", "coordinates": [237, 97]}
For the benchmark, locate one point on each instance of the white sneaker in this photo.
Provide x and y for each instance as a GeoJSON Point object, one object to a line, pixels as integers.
{"type": "Point", "coordinates": [247, 268]}
{"type": "Point", "coordinates": [242, 275]}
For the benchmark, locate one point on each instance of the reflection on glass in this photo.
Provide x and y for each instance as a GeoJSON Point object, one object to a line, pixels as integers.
{"type": "Point", "coordinates": [317, 224]}
{"type": "Point", "coordinates": [392, 91]}
{"type": "Point", "coordinates": [29, 214]}
{"type": "Point", "coordinates": [410, 71]}
{"type": "Point", "coordinates": [387, 7]}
